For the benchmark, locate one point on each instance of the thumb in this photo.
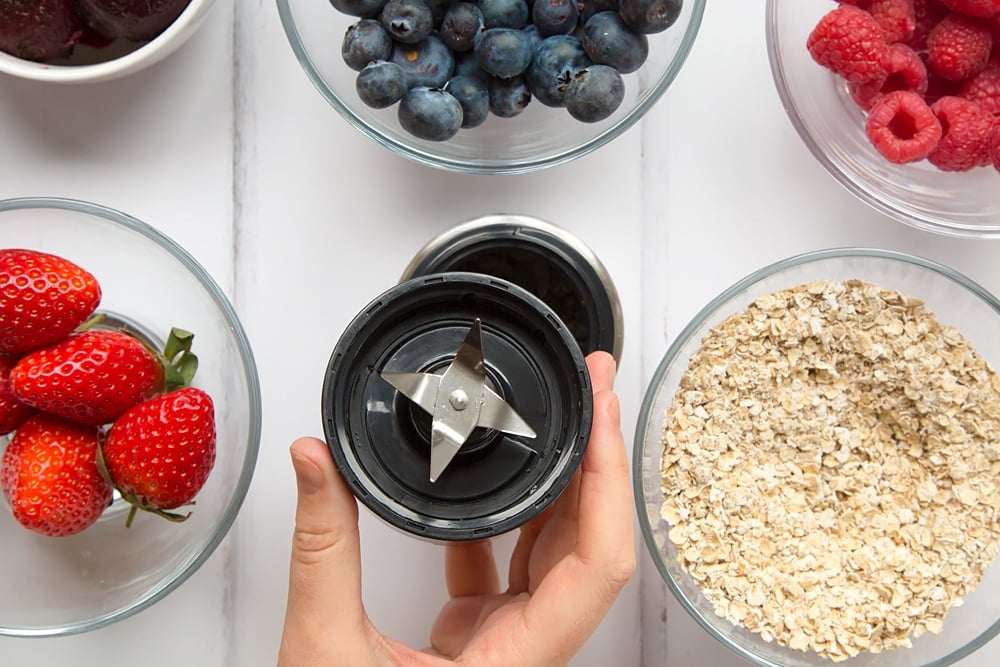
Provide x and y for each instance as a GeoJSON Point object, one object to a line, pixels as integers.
{"type": "Point", "coordinates": [324, 588]}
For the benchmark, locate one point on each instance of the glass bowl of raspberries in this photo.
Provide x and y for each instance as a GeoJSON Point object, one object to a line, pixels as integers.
{"type": "Point", "coordinates": [80, 41]}
{"type": "Point", "coordinates": [900, 101]}
{"type": "Point", "coordinates": [491, 86]}
{"type": "Point", "coordinates": [129, 416]}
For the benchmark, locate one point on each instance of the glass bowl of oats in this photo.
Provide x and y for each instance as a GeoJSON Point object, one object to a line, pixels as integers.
{"type": "Point", "coordinates": [817, 463]}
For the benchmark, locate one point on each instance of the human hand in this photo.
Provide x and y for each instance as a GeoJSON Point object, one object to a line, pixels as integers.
{"type": "Point", "coordinates": [566, 570]}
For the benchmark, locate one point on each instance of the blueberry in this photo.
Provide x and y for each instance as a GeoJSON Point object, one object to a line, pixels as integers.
{"type": "Point", "coordinates": [471, 93]}
{"type": "Point", "coordinates": [426, 63]}
{"type": "Point", "coordinates": [594, 93]}
{"type": "Point", "coordinates": [364, 42]}
{"type": "Point", "coordinates": [556, 60]}
{"type": "Point", "coordinates": [590, 7]}
{"type": "Point", "coordinates": [460, 26]}
{"type": "Point", "coordinates": [408, 21]}
{"type": "Point", "coordinates": [555, 17]}
{"type": "Point", "coordinates": [508, 97]}
{"type": "Point", "coordinates": [532, 35]}
{"type": "Point", "coordinates": [608, 41]}
{"type": "Point", "coordinates": [438, 8]}
{"type": "Point", "coordinates": [466, 64]}
{"type": "Point", "coordinates": [380, 84]}
{"type": "Point", "coordinates": [503, 52]}
{"type": "Point", "coordinates": [361, 8]}
{"type": "Point", "coordinates": [649, 16]}
{"type": "Point", "coordinates": [430, 113]}
{"type": "Point", "coordinates": [504, 13]}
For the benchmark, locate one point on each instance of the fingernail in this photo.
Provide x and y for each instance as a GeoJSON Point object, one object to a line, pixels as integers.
{"type": "Point", "coordinates": [308, 476]}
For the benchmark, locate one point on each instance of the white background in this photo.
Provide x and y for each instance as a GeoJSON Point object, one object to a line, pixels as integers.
{"type": "Point", "coordinates": [226, 147]}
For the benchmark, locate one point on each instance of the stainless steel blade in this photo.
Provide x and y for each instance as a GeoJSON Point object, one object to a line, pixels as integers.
{"type": "Point", "coordinates": [497, 414]}
{"type": "Point", "coordinates": [421, 388]}
{"type": "Point", "coordinates": [459, 400]}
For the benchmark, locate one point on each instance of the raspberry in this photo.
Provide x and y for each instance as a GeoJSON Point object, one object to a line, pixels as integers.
{"type": "Point", "coordinates": [928, 14]}
{"type": "Point", "coordinates": [965, 135]}
{"type": "Point", "coordinates": [897, 18]}
{"type": "Point", "coordinates": [995, 146]}
{"type": "Point", "coordinates": [979, 8]}
{"type": "Point", "coordinates": [849, 42]}
{"type": "Point", "coordinates": [902, 127]}
{"type": "Point", "coordinates": [904, 71]}
{"type": "Point", "coordinates": [984, 89]}
{"type": "Point", "coordinates": [938, 88]}
{"type": "Point", "coordinates": [958, 47]}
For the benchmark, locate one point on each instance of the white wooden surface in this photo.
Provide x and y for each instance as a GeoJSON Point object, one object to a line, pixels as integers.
{"type": "Point", "coordinates": [226, 147]}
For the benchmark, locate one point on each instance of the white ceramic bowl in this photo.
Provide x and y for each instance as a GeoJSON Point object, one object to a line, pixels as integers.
{"type": "Point", "coordinates": [87, 65]}
{"type": "Point", "coordinates": [107, 572]}
{"type": "Point", "coordinates": [955, 300]}
{"type": "Point", "coordinates": [832, 126]}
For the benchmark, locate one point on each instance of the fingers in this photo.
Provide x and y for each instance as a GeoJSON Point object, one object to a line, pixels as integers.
{"type": "Point", "coordinates": [324, 593]}
{"type": "Point", "coordinates": [606, 534]}
{"type": "Point", "coordinates": [602, 368]}
{"type": "Point", "coordinates": [470, 569]}
{"type": "Point", "coordinates": [589, 579]}
{"type": "Point", "coordinates": [459, 621]}
{"type": "Point", "coordinates": [520, 559]}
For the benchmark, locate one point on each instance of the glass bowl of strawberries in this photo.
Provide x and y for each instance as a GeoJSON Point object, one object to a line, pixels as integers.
{"type": "Point", "coordinates": [129, 416]}
{"type": "Point", "coordinates": [900, 101]}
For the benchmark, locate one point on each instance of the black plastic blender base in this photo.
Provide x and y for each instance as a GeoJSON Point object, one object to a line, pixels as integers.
{"type": "Point", "coordinates": [380, 440]}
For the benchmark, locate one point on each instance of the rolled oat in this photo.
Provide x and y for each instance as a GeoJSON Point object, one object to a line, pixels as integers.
{"type": "Point", "coordinates": [831, 468]}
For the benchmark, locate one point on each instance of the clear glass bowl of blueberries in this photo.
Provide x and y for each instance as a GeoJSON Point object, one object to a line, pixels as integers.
{"type": "Point", "coordinates": [492, 86]}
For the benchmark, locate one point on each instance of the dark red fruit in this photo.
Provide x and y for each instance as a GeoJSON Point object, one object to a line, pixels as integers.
{"type": "Point", "coordinates": [135, 20]}
{"type": "Point", "coordinates": [39, 30]}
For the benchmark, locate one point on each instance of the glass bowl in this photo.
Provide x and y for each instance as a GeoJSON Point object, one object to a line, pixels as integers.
{"type": "Point", "coordinates": [107, 572]}
{"type": "Point", "coordinates": [537, 138]}
{"type": "Point", "coordinates": [104, 62]}
{"type": "Point", "coordinates": [832, 127]}
{"type": "Point", "coordinates": [955, 300]}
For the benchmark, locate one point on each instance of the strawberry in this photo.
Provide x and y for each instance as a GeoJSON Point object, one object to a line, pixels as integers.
{"type": "Point", "coordinates": [91, 377]}
{"type": "Point", "coordinates": [42, 298]}
{"type": "Point", "coordinates": [50, 478]}
{"type": "Point", "coordinates": [94, 376]}
{"type": "Point", "coordinates": [159, 454]}
{"type": "Point", "coordinates": [13, 412]}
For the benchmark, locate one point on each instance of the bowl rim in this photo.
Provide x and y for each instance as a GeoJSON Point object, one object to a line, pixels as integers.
{"type": "Point", "coordinates": [142, 56]}
{"type": "Point", "coordinates": [485, 166]}
{"type": "Point", "coordinates": [652, 391]}
{"type": "Point", "coordinates": [910, 217]}
{"type": "Point", "coordinates": [249, 368]}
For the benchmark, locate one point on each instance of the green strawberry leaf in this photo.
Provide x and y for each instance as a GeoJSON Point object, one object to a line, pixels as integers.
{"type": "Point", "coordinates": [179, 363]}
